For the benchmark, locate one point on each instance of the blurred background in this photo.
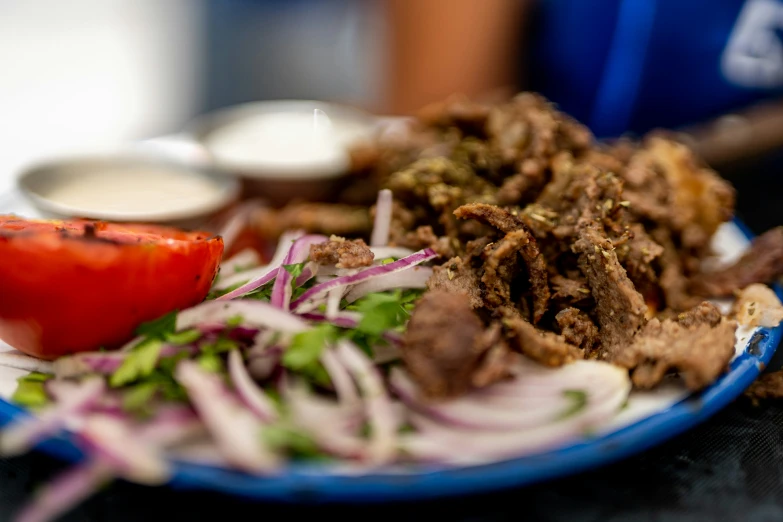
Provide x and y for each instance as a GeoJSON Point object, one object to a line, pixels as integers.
{"type": "Point", "coordinates": [83, 73]}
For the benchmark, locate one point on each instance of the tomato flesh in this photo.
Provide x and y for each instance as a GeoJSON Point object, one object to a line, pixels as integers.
{"type": "Point", "coordinates": [78, 285]}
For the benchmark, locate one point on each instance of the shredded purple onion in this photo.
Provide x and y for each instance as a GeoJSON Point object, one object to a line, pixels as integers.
{"type": "Point", "coordinates": [382, 222]}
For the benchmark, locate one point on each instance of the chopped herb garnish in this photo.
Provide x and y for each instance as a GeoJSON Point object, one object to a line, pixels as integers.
{"type": "Point", "coordinates": [211, 362]}
{"type": "Point", "coordinates": [138, 364]}
{"type": "Point", "coordinates": [291, 441]}
{"type": "Point", "coordinates": [306, 347]}
{"type": "Point", "coordinates": [184, 337]}
{"type": "Point", "coordinates": [388, 260]}
{"type": "Point", "coordinates": [219, 345]}
{"type": "Point", "coordinates": [234, 321]}
{"type": "Point", "coordinates": [30, 391]}
{"type": "Point", "coordinates": [578, 399]}
{"type": "Point", "coordinates": [159, 328]}
{"type": "Point", "coordinates": [295, 270]}
{"type": "Point", "coordinates": [137, 399]}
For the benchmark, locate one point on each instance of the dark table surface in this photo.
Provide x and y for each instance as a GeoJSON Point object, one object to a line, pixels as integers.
{"type": "Point", "coordinates": [729, 468]}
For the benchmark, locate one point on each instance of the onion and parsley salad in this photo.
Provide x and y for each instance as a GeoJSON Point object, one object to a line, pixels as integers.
{"type": "Point", "coordinates": [293, 361]}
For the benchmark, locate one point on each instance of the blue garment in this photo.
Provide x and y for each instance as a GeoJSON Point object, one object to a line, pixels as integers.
{"type": "Point", "coordinates": [633, 65]}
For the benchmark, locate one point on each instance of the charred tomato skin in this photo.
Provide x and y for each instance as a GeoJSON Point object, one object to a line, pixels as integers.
{"type": "Point", "coordinates": [77, 285]}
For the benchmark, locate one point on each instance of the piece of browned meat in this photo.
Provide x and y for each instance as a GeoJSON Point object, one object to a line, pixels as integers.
{"type": "Point", "coordinates": [342, 253]}
{"type": "Point", "coordinates": [570, 291]}
{"type": "Point", "coordinates": [620, 309]}
{"type": "Point", "coordinates": [319, 218]}
{"type": "Point", "coordinates": [498, 359]}
{"type": "Point", "coordinates": [547, 348]}
{"type": "Point", "coordinates": [443, 344]}
{"type": "Point", "coordinates": [497, 274]}
{"type": "Point", "coordinates": [697, 347]}
{"type": "Point", "coordinates": [704, 313]}
{"type": "Point", "coordinates": [492, 215]}
{"type": "Point", "coordinates": [577, 328]}
{"type": "Point", "coordinates": [457, 277]}
{"type": "Point", "coordinates": [762, 263]}
{"type": "Point", "coordinates": [767, 386]}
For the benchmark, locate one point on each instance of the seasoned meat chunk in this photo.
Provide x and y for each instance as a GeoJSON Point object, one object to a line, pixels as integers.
{"type": "Point", "coordinates": [496, 272]}
{"type": "Point", "coordinates": [570, 291]}
{"type": "Point", "coordinates": [577, 328]}
{"type": "Point", "coordinates": [704, 313]}
{"type": "Point", "coordinates": [619, 307]}
{"type": "Point", "coordinates": [342, 253]}
{"type": "Point", "coordinates": [457, 277]}
{"type": "Point", "coordinates": [547, 348]}
{"type": "Point", "coordinates": [762, 263]}
{"type": "Point", "coordinates": [498, 359]}
{"type": "Point", "coordinates": [317, 218]}
{"type": "Point", "coordinates": [492, 215]}
{"type": "Point", "coordinates": [442, 345]}
{"type": "Point", "coordinates": [700, 352]}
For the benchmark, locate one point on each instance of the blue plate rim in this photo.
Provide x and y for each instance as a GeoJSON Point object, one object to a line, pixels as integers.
{"type": "Point", "coordinates": [299, 484]}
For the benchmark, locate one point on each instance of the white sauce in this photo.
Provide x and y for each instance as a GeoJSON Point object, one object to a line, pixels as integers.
{"type": "Point", "coordinates": [293, 143]}
{"type": "Point", "coordinates": [134, 190]}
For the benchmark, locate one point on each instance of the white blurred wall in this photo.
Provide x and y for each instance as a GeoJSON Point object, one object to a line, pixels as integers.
{"type": "Point", "coordinates": [78, 73]}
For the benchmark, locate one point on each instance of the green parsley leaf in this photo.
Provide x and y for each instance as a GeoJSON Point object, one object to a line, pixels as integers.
{"type": "Point", "coordinates": [380, 312]}
{"type": "Point", "coordinates": [295, 269]}
{"type": "Point", "coordinates": [263, 293]}
{"type": "Point", "coordinates": [292, 441]}
{"type": "Point", "coordinates": [30, 391]}
{"type": "Point", "coordinates": [184, 337]}
{"type": "Point", "coordinates": [158, 328]}
{"type": "Point", "coordinates": [211, 362]}
{"type": "Point", "coordinates": [137, 399]}
{"type": "Point", "coordinates": [578, 400]}
{"type": "Point", "coordinates": [138, 364]}
{"type": "Point", "coordinates": [306, 347]}
{"type": "Point", "coordinates": [234, 321]}
{"type": "Point", "coordinates": [388, 260]}
{"type": "Point", "coordinates": [220, 345]}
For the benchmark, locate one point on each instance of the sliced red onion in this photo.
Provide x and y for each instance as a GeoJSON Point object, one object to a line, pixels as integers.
{"type": "Point", "coordinates": [341, 379]}
{"type": "Point", "coordinates": [244, 260]}
{"type": "Point", "coordinates": [22, 434]}
{"type": "Point", "coordinates": [378, 407]}
{"type": "Point", "coordinates": [385, 252]}
{"type": "Point", "coordinates": [234, 429]}
{"type": "Point", "coordinates": [104, 363]}
{"type": "Point", "coordinates": [171, 425]}
{"type": "Point", "coordinates": [422, 256]}
{"type": "Point", "coordinates": [238, 220]}
{"type": "Point", "coordinates": [254, 313]}
{"type": "Point", "coordinates": [454, 446]}
{"type": "Point", "coordinates": [131, 457]}
{"type": "Point", "coordinates": [476, 411]}
{"type": "Point", "coordinates": [66, 491]}
{"type": "Point", "coordinates": [20, 361]}
{"type": "Point", "coordinates": [299, 252]}
{"type": "Point", "coordinates": [383, 354]}
{"type": "Point", "coordinates": [416, 277]}
{"type": "Point", "coordinates": [331, 425]}
{"type": "Point", "coordinates": [260, 277]}
{"type": "Point", "coordinates": [382, 222]}
{"type": "Point", "coordinates": [253, 396]}
{"type": "Point", "coordinates": [333, 299]}
{"type": "Point", "coordinates": [205, 453]}
{"type": "Point", "coordinates": [348, 319]}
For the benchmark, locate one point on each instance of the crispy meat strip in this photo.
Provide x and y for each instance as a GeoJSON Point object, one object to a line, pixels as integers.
{"type": "Point", "coordinates": [319, 218]}
{"type": "Point", "coordinates": [619, 307]}
{"type": "Point", "coordinates": [496, 271]}
{"type": "Point", "coordinates": [547, 348]}
{"type": "Point", "coordinates": [443, 344]}
{"type": "Point", "coordinates": [492, 215]}
{"type": "Point", "coordinates": [577, 328]}
{"type": "Point", "coordinates": [696, 346]}
{"type": "Point", "coordinates": [342, 253]}
{"type": "Point", "coordinates": [456, 276]}
{"type": "Point", "coordinates": [762, 263]}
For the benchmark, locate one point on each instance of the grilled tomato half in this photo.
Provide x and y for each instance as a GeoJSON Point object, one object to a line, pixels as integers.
{"type": "Point", "coordinates": [68, 286]}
